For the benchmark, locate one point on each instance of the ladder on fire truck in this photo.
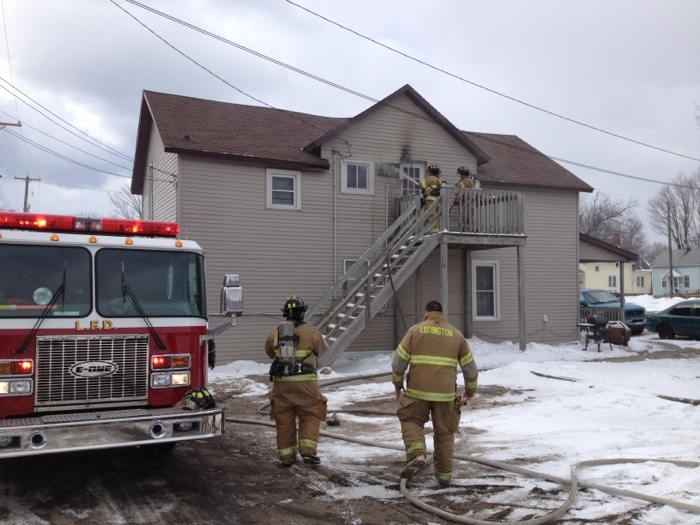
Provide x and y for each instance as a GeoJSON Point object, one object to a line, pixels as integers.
{"type": "Point", "coordinates": [366, 288]}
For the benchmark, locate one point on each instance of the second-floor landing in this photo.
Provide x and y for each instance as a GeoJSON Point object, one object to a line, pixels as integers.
{"type": "Point", "coordinates": [477, 219]}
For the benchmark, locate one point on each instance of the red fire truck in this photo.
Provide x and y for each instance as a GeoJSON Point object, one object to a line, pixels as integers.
{"type": "Point", "coordinates": [103, 332]}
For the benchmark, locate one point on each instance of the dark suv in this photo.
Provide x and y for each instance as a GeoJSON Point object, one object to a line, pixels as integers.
{"type": "Point", "coordinates": [635, 315]}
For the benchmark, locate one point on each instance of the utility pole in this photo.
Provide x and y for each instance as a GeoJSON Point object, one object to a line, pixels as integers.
{"type": "Point", "coordinates": [26, 180]}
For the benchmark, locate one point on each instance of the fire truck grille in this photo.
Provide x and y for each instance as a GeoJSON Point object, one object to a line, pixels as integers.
{"type": "Point", "coordinates": [76, 370]}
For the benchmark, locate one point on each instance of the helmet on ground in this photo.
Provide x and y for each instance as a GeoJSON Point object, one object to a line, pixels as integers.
{"type": "Point", "coordinates": [463, 171]}
{"type": "Point", "coordinates": [201, 397]}
{"type": "Point", "coordinates": [294, 307]}
{"type": "Point", "coordinates": [434, 168]}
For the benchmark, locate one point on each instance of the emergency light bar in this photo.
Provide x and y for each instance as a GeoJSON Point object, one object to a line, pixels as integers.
{"type": "Point", "coordinates": [68, 223]}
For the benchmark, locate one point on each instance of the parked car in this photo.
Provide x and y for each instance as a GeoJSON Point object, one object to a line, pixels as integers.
{"type": "Point", "coordinates": [681, 319]}
{"type": "Point", "coordinates": [601, 300]}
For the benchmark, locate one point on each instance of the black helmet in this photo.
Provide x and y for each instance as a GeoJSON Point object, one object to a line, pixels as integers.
{"type": "Point", "coordinates": [434, 168]}
{"type": "Point", "coordinates": [463, 170]}
{"type": "Point", "coordinates": [293, 307]}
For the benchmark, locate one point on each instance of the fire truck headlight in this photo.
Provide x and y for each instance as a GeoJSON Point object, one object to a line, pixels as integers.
{"type": "Point", "coordinates": [20, 387]}
{"type": "Point", "coordinates": [4, 387]}
{"type": "Point", "coordinates": [160, 380]}
{"type": "Point", "coordinates": [6, 441]}
{"type": "Point", "coordinates": [181, 379]}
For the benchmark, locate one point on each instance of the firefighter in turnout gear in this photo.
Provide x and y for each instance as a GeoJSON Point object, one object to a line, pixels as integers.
{"type": "Point", "coordinates": [466, 203]}
{"type": "Point", "coordinates": [430, 186]}
{"type": "Point", "coordinates": [431, 351]}
{"type": "Point", "coordinates": [295, 347]}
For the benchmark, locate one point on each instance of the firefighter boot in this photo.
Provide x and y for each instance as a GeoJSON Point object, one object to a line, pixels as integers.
{"type": "Point", "coordinates": [412, 466]}
{"type": "Point", "coordinates": [311, 459]}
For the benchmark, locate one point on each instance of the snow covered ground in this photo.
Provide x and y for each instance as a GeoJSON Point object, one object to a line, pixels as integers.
{"type": "Point", "coordinates": [563, 406]}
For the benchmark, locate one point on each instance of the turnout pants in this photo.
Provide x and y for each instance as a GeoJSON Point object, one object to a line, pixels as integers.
{"type": "Point", "coordinates": [292, 400]}
{"type": "Point", "coordinates": [414, 414]}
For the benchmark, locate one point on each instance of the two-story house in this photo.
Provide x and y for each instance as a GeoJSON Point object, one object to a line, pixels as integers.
{"type": "Point", "coordinates": [326, 208]}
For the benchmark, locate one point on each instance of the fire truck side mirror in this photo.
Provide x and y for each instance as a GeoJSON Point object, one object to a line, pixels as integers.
{"type": "Point", "coordinates": [232, 296]}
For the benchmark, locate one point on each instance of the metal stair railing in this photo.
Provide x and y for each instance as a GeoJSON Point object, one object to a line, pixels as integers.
{"type": "Point", "coordinates": [343, 311]}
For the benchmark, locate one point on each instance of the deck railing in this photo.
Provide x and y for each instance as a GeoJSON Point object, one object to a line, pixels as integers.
{"type": "Point", "coordinates": [477, 211]}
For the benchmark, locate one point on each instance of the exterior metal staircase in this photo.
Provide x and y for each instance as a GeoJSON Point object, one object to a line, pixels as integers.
{"type": "Point", "coordinates": [366, 288]}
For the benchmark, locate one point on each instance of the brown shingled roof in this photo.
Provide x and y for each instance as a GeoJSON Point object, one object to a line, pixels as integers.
{"type": "Point", "coordinates": [288, 139]}
{"type": "Point", "coordinates": [258, 135]}
{"type": "Point", "coordinates": [515, 162]}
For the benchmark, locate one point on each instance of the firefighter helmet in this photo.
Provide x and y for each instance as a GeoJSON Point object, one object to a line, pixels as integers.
{"type": "Point", "coordinates": [200, 397]}
{"type": "Point", "coordinates": [434, 168]}
{"type": "Point", "coordinates": [294, 307]}
{"type": "Point", "coordinates": [463, 171]}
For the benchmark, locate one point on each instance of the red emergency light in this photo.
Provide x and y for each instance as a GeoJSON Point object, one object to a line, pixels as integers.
{"type": "Point", "coordinates": [68, 223]}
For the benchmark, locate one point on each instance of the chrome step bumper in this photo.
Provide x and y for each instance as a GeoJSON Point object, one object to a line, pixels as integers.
{"type": "Point", "coordinates": [54, 433]}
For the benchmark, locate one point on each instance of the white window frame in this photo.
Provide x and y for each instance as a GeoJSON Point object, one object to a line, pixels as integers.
{"type": "Point", "coordinates": [612, 281]}
{"type": "Point", "coordinates": [640, 281]}
{"type": "Point", "coordinates": [686, 281]}
{"type": "Point", "coordinates": [295, 176]}
{"type": "Point", "coordinates": [409, 188]}
{"type": "Point", "coordinates": [370, 178]}
{"type": "Point", "coordinates": [495, 268]}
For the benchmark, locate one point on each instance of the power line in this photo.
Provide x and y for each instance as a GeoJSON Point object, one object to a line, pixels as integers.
{"type": "Point", "coordinates": [63, 157]}
{"type": "Point", "coordinates": [217, 37]}
{"type": "Point", "coordinates": [348, 90]}
{"type": "Point", "coordinates": [471, 82]}
{"type": "Point", "coordinates": [92, 141]}
{"type": "Point", "coordinates": [73, 147]}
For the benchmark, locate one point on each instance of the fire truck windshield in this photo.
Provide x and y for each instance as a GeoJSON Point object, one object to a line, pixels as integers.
{"type": "Point", "coordinates": [30, 275]}
{"type": "Point", "coordinates": [164, 283]}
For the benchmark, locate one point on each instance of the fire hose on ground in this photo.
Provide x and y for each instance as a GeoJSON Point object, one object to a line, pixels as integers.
{"type": "Point", "coordinates": [573, 482]}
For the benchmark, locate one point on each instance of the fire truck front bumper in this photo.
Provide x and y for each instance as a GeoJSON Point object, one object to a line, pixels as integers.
{"type": "Point", "coordinates": [54, 433]}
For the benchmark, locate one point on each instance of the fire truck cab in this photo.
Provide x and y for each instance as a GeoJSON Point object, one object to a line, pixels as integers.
{"type": "Point", "coordinates": [103, 332]}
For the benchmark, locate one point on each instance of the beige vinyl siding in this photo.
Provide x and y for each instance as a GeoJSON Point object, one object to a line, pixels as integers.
{"type": "Point", "coordinates": [551, 265]}
{"type": "Point", "coordinates": [160, 187]}
{"type": "Point", "coordinates": [276, 252]}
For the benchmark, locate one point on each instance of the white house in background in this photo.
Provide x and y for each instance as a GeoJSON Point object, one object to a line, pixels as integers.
{"type": "Point", "coordinates": [686, 273]}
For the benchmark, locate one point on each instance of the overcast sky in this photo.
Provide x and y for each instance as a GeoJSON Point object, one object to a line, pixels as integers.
{"type": "Point", "coordinates": [629, 68]}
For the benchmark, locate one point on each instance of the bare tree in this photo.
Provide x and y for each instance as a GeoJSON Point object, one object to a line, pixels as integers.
{"type": "Point", "coordinates": [126, 204]}
{"type": "Point", "coordinates": [654, 250]}
{"type": "Point", "coordinates": [677, 206]}
{"type": "Point", "coordinates": [612, 221]}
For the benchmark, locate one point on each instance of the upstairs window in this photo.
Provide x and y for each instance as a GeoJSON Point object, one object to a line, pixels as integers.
{"type": "Point", "coordinates": [357, 177]}
{"type": "Point", "coordinates": [283, 189]}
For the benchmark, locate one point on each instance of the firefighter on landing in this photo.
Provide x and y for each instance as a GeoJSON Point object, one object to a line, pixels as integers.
{"type": "Point", "coordinates": [430, 186]}
{"type": "Point", "coordinates": [295, 347]}
{"type": "Point", "coordinates": [466, 202]}
{"type": "Point", "coordinates": [431, 351]}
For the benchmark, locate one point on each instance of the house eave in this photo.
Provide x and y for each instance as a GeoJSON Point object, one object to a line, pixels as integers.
{"type": "Point", "coordinates": [321, 164]}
